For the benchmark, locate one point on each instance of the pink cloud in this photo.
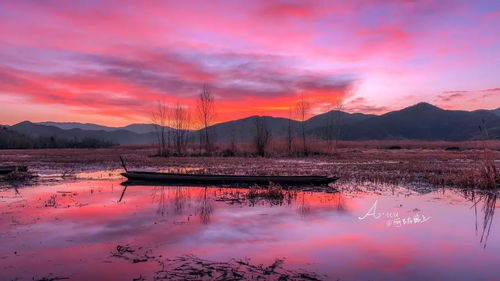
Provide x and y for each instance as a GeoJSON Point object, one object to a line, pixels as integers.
{"type": "Point", "coordinates": [457, 98]}
{"type": "Point", "coordinates": [122, 56]}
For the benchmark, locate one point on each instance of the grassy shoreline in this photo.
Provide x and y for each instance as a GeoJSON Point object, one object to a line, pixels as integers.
{"type": "Point", "coordinates": [427, 163]}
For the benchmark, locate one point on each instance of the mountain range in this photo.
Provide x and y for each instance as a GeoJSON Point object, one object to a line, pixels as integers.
{"type": "Point", "coordinates": [135, 128]}
{"type": "Point", "coordinates": [422, 121]}
{"type": "Point", "coordinates": [496, 111]}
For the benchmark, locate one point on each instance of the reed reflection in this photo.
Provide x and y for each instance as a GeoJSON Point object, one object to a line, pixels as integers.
{"type": "Point", "coordinates": [487, 204]}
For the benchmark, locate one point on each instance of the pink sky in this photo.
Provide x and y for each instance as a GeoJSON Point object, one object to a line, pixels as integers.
{"type": "Point", "coordinates": [109, 62]}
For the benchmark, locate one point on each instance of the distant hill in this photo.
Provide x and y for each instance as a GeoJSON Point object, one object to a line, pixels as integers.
{"type": "Point", "coordinates": [422, 121]}
{"type": "Point", "coordinates": [319, 125]}
{"type": "Point", "coordinates": [136, 128]}
{"type": "Point", "coordinates": [117, 136]}
{"type": "Point", "coordinates": [75, 125]}
{"type": "Point", "coordinates": [278, 127]}
{"type": "Point", "coordinates": [11, 139]}
{"type": "Point", "coordinates": [345, 118]}
{"type": "Point", "coordinates": [496, 111]}
{"type": "Point", "coordinates": [141, 128]}
{"type": "Point", "coordinates": [244, 129]}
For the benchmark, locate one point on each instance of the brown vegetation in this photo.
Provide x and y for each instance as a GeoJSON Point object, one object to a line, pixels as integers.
{"type": "Point", "coordinates": [273, 193]}
{"type": "Point", "coordinates": [262, 136]}
{"type": "Point", "coordinates": [421, 162]}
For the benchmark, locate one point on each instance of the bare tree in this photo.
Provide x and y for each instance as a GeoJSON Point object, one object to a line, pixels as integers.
{"type": "Point", "coordinates": [262, 136]}
{"type": "Point", "coordinates": [181, 119]}
{"type": "Point", "coordinates": [206, 116]}
{"type": "Point", "coordinates": [334, 127]}
{"type": "Point", "coordinates": [160, 119]}
{"type": "Point", "coordinates": [233, 139]}
{"type": "Point", "coordinates": [303, 108]}
{"type": "Point", "coordinates": [338, 125]}
{"type": "Point", "coordinates": [289, 132]}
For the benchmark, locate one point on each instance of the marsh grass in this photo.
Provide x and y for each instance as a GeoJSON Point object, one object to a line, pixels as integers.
{"type": "Point", "coordinates": [273, 193]}
{"type": "Point", "coordinates": [416, 162]}
{"type": "Point", "coordinates": [490, 178]}
{"type": "Point", "coordinates": [18, 176]}
{"type": "Point", "coordinates": [485, 174]}
{"type": "Point", "coordinates": [489, 173]}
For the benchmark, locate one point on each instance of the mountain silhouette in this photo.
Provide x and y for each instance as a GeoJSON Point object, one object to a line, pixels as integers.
{"type": "Point", "coordinates": [422, 121]}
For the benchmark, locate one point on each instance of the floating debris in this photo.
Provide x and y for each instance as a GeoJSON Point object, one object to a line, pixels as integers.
{"type": "Point", "coordinates": [134, 254]}
{"type": "Point", "coordinates": [193, 268]}
{"type": "Point", "coordinates": [52, 278]}
{"type": "Point", "coordinates": [190, 267]}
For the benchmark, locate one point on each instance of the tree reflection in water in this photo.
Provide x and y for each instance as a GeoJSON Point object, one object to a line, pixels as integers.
{"type": "Point", "coordinates": [180, 198]}
{"type": "Point", "coordinates": [163, 195]}
{"type": "Point", "coordinates": [158, 195]}
{"type": "Point", "coordinates": [205, 208]}
{"type": "Point", "coordinates": [304, 209]}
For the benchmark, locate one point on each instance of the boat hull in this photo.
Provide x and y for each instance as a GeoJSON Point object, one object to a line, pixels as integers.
{"type": "Point", "coordinates": [9, 169]}
{"type": "Point", "coordinates": [226, 179]}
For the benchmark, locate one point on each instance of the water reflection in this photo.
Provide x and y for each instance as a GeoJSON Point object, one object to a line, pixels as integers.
{"type": "Point", "coordinates": [122, 194]}
{"type": "Point", "coordinates": [304, 207]}
{"type": "Point", "coordinates": [487, 202]}
{"type": "Point", "coordinates": [489, 212]}
{"type": "Point", "coordinates": [205, 208]}
{"type": "Point", "coordinates": [340, 203]}
{"type": "Point", "coordinates": [181, 196]}
{"type": "Point", "coordinates": [158, 195]}
{"type": "Point", "coordinates": [317, 231]}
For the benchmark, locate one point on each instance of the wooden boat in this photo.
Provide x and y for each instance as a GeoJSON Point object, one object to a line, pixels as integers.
{"type": "Point", "coordinates": [9, 169]}
{"type": "Point", "coordinates": [225, 179]}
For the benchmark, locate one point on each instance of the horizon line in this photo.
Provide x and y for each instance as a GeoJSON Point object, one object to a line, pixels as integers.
{"type": "Point", "coordinates": [250, 116]}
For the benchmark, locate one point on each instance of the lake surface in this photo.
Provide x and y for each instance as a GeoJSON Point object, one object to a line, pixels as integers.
{"type": "Point", "coordinates": [364, 232]}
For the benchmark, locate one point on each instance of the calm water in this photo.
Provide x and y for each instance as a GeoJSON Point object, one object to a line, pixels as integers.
{"type": "Point", "coordinates": [361, 233]}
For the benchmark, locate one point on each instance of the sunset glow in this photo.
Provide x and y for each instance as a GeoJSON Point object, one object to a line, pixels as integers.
{"type": "Point", "coordinates": [109, 62]}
